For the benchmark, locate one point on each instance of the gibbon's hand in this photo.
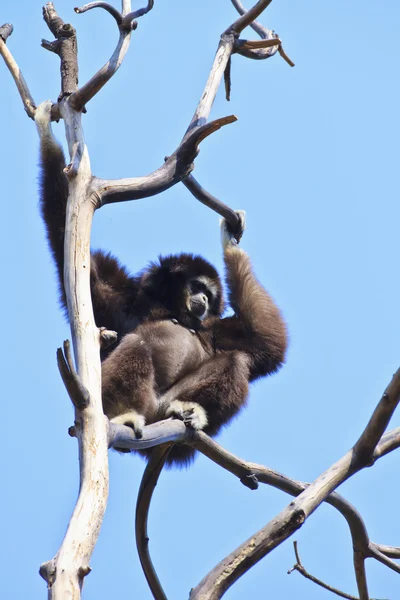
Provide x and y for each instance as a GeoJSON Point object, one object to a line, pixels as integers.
{"type": "Point", "coordinates": [228, 238]}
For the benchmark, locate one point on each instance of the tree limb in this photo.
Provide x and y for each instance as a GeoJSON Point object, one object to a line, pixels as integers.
{"type": "Point", "coordinates": [65, 573]}
{"type": "Point", "coordinates": [149, 481]}
{"type": "Point", "coordinates": [209, 200]}
{"type": "Point", "coordinates": [125, 22]}
{"type": "Point", "coordinates": [259, 53]}
{"type": "Point", "coordinates": [176, 167]}
{"type": "Point", "coordinates": [26, 97]}
{"type": "Point", "coordinates": [215, 584]}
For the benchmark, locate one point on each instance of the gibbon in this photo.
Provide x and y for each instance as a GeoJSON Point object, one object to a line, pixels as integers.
{"type": "Point", "coordinates": [176, 355]}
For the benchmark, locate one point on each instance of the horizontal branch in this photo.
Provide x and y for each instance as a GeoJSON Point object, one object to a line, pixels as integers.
{"type": "Point", "coordinates": [108, 7]}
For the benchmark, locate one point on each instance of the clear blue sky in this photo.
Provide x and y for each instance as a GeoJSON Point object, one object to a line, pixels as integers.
{"type": "Point", "coordinates": [313, 160]}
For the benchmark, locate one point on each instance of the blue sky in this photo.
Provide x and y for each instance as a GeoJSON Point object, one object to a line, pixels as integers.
{"type": "Point", "coordinates": [313, 160]}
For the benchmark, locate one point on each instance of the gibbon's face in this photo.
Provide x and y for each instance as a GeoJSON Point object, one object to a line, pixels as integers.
{"type": "Point", "coordinates": [201, 295]}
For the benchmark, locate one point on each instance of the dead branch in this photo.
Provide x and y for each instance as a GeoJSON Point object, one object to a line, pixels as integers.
{"type": "Point", "coordinates": [247, 48]}
{"type": "Point", "coordinates": [65, 573]}
{"type": "Point", "coordinates": [65, 46]}
{"type": "Point", "coordinates": [300, 569]}
{"type": "Point", "coordinates": [209, 200]}
{"type": "Point", "coordinates": [126, 23]}
{"type": "Point", "coordinates": [215, 584]}
{"type": "Point", "coordinates": [176, 167]}
{"type": "Point", "coordinates": [147, 486]}
{"type": "Point", "coordinates": [79, 395]}
{"type": "Point", "coordinates": [249, 16]}
{"type": "Point", "coordinates": [179, 165]}
{"type": "Point", "coordinates": [108, 7]}
{"type": "Point", "coordinates": [250, 474]}
{"type": "Point", "coordinates": [26, 97]}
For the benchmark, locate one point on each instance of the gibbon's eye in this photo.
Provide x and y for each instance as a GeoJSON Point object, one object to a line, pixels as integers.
{"type": "Point", "coordinates": [197, 286]}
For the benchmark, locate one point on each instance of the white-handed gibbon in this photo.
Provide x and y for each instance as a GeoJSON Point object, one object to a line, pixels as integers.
{"type": "Point", "coordinates": [175, 354]}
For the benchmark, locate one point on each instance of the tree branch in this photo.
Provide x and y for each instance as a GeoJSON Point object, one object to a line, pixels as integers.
{"type": "Point", "coordinates": [300, 569]}
{"type": "Point", "coordinates": [26, 97]}
{"type": "Point", "coordinates": [79, 395]}
{"type": "Point", "coordinates": [215, 584]}
{"type": "Point", "coordinates": [65, 573]}
{"type": "Point", "coordinates": [176, 167]}
{"type": "Point", "coordinates": [149, 481]}
{"type": "Point", "coordinates": [246, 49]}
{"type": "Point", "coordinates": [65, 46]}
{"type": "Point", "coordinates": [108, 7]}
{"type": "Point", "coordinates": [209, 200]}
{"type": "Point", "coordinates": [126, 23]}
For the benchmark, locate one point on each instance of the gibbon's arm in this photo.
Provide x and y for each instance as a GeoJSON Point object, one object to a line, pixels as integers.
{"type": "Point", "coordinates": [257, 327]}
{"type": "Point", "coordinates": [111, 286]}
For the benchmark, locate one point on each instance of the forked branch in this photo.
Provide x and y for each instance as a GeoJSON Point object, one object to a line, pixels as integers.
{"type": "Point", "coordinates": [126, 23]}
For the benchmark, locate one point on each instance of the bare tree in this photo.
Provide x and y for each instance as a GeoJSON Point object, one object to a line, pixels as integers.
{"type": "Point", "coordinates": [66, 571]}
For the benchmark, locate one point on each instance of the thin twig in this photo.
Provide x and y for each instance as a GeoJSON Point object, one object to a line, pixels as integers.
{"type": "Point", "coordinates": [299, 567]}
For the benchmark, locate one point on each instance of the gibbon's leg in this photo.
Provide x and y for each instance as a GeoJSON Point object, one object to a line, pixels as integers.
{"type": "Point", "coordinates": [128, 392]}
{"type": "Point", "coordinates": [211, 395]}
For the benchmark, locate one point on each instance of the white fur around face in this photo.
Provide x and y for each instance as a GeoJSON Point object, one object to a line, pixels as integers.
{"type": "Point", "coordinates": [191, 413]}
{"type": "Point", "coordinates": [131, 419]}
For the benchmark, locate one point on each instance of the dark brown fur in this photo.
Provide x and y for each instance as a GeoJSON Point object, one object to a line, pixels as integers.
{"type": "Point", "coordinates": [156, 361]}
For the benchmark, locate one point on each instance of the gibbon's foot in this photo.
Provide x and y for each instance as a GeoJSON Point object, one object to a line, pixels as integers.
{"type": "Point", "coordinates": [191, 413]}
{"type": "Point", "coordinates": [107, 337]}
{"type": "Point", "coordinates": [133, 420]}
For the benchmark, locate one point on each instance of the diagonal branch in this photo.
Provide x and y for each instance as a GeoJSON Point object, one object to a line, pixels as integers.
{"type": "Point", "coordinates": [215, 584]}
{"type": "Point", "coordinates": [26, 97]}
{"type": "Point", "coordinates": [250, 474]}
{"type": "Point", "coordinates": [249, 16]}
{"type": "Point", "coordinates": [212, 202]}
{"type": "Point", "coordinates": [365, 446]}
